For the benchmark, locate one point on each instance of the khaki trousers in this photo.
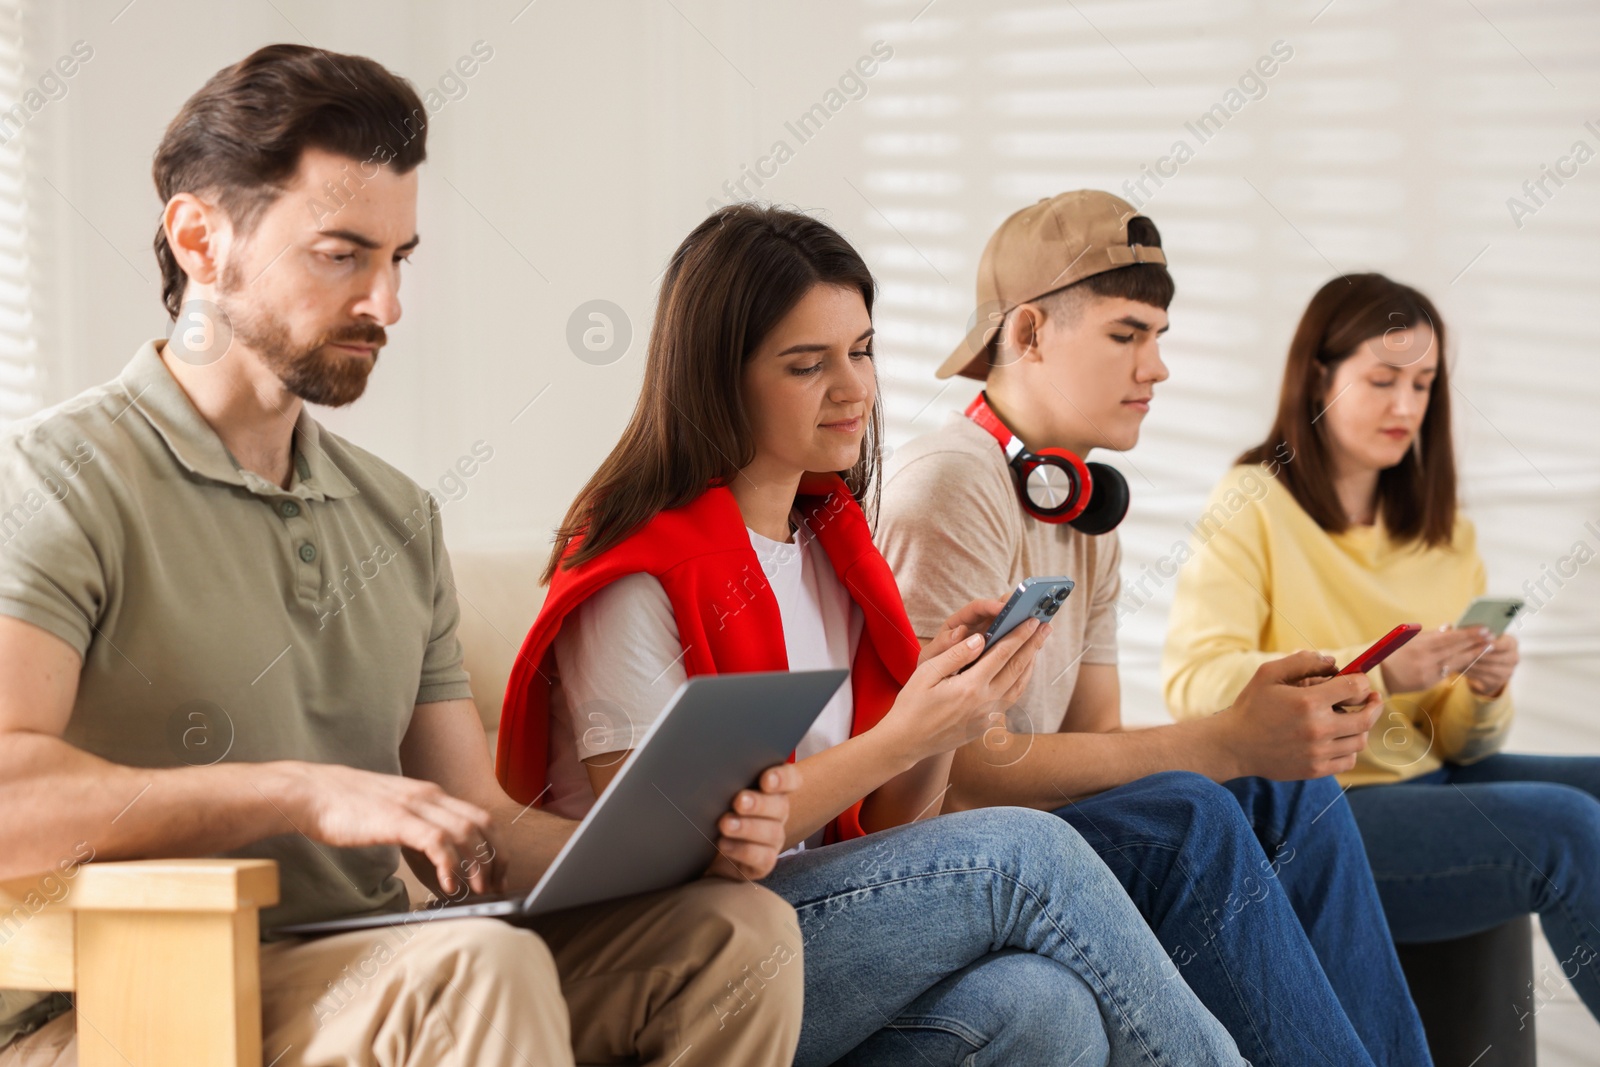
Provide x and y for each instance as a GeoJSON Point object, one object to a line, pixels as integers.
{"type": "Point", "coordinates": [706, 974]}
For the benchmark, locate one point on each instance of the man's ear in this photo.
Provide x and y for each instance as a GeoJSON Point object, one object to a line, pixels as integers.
{"type": "Point", "coordinates": [196, 234]}
{"type": "Point", "coordinates": [1021, 333]}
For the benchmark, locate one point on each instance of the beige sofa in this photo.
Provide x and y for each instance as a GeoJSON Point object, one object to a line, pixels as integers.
{"type": "Point", "coordinates": [499, 594]}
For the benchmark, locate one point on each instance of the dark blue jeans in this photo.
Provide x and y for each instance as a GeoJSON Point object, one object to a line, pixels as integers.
{"type": "Point", "coordinates": [1467, 848]}
{"type": "Point", "coordinates": [1259, 892]}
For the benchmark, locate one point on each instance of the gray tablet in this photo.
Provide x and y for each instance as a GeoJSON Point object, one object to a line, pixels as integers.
{"type": "Point", "coordinates": [655, 826]}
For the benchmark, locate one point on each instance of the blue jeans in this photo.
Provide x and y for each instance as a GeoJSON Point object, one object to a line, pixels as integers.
{"type": "Point", "coordinates": [1258, 890]}
{"type": "Point", "coordinates": [1009, 1007]}
{"type": "Point", "coordinates": [916, 942]}
{"type": "Point", "coordinates": [1467, 848]}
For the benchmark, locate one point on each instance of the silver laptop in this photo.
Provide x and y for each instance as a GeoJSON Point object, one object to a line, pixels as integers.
{"type": "Point", "coordinates": [655, 826]}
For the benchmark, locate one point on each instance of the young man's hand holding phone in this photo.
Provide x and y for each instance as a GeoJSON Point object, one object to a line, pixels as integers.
{"type": "Point", "coordinates": [1298, 719]}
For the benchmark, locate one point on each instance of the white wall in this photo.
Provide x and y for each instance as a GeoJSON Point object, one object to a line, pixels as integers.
{"type": "Point", "coordinates": [579, 156]}
{"type": "Point", "coordinates": [591, 141]}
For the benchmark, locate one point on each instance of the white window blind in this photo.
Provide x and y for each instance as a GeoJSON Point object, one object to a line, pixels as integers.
{"type": "Point", "coordinates": [21, 374]}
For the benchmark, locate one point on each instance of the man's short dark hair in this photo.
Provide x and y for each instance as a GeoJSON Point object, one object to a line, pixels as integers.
{"type": "Point", "coordinates": [240, 138]}
{"type": "Point", "coordinates": [1146, 283]}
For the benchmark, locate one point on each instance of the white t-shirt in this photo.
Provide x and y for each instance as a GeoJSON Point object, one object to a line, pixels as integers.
{"type": "Point", "coordinates": [619, 660]}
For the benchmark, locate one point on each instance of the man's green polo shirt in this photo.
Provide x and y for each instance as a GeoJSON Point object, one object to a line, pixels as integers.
{"type": "Point", "coordinates": [222, 618]}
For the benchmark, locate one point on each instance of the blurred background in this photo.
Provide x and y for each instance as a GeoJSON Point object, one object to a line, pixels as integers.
{"type": "Point", "coordinates": [1417, 139]}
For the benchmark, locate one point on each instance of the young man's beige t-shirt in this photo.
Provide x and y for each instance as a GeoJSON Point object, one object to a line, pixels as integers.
{"type": "Point", "coordinates": [953, 530]}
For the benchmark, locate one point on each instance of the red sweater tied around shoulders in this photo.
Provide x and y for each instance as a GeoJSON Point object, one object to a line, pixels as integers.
{"type": "Point", "coordinates": [727, 616]}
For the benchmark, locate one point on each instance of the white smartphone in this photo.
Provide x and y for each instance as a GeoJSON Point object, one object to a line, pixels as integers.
{"type": "Point", "coordinates": [1494, 612]}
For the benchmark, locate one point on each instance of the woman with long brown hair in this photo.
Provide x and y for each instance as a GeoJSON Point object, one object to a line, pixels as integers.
{"type": "Point", "coordinates": [726, 532]}
{"type": "Point", "coordinates": [1357, 531]}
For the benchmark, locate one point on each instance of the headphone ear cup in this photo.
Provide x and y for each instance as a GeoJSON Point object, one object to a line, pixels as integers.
{"type": "Point", "coordinates": [1108, 504]}
{"type": "Point", "coordinates": [1052, 484]}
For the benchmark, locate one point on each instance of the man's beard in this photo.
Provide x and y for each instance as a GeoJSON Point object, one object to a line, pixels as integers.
{"type": "Point", "coordinates": [307, 371]}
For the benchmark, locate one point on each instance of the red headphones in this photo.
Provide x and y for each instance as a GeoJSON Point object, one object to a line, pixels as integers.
{"type": "Point", "coordinates": [1053, 484]}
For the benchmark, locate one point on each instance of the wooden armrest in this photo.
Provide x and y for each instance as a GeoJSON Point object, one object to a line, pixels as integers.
{"type": "Point", "coordinates": [174, 885]}
{"type": "Point", "coordinates": [163, 955]}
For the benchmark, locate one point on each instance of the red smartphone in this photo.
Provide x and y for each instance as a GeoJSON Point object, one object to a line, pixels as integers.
{"type": "Point", "coordinates": [1382, 647]}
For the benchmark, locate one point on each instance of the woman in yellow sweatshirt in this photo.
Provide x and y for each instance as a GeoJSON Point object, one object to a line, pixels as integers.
{"type": "Point", "coordinates": [1341, 525]}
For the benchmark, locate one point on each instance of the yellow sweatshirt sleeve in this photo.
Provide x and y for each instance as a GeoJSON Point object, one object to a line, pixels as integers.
{"type": "Point", "coordinates": [1466, 727]}
{"type": "Point", "coordinates": [1221, 609]}
{"type": "Point", "coordinates": [1221, 605]}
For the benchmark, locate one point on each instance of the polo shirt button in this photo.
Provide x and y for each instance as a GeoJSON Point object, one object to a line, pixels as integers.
{"type": "Point", "coordinates": [288, 509]}
{"type": "Point", "coordinates": [308, 551]}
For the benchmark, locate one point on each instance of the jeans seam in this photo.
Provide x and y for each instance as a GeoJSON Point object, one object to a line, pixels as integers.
{"type": "Point", "coordinates": [944, 1024]}
{"type": "Point", "coordinates": [1113, 995]}
{"type": "Point", "coordinates": [1513, 868]}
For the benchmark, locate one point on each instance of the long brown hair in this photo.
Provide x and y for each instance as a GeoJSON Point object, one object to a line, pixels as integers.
{"type": "Point", "coordinates": [1417, 496]}
{"type": "Point", "coordinates": [729, 283]}
{"type": "Point", "coordinates": [240, 137]}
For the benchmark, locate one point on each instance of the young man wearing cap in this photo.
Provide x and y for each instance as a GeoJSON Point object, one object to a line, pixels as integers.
{"type": "Point", "coordinates": [1259, 888]}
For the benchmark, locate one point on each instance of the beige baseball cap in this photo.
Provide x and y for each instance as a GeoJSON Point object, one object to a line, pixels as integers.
{"type": "Point", "coordinates": [1042, 248]}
